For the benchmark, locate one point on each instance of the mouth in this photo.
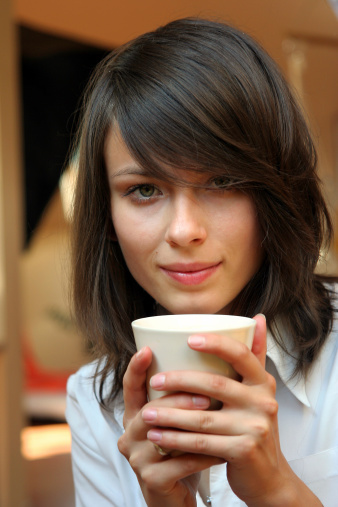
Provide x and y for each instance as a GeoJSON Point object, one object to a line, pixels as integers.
{"type": "Point", "coordinates": [190, 274]}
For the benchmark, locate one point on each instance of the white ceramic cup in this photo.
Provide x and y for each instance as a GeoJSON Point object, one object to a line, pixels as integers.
{"type": "Point", "coordinates": [167, 337]}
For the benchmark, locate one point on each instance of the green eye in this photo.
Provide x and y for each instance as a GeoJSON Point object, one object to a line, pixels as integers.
{"type": "Point", "coordinates": [146, 190]}
{"type": "Point", "coordinates": [143, 193]}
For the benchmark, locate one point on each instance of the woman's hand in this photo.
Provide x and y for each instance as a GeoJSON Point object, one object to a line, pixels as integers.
{"type": "Point", "coordinates": [244, 432]}
{"type": "Point", "coordinates": [164, 480]}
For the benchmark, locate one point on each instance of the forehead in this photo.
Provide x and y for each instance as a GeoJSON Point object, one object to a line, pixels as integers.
{"type": "Point", "coordinates": [120, 162]}
{"type": "Point", "coordinates": [116, 154]}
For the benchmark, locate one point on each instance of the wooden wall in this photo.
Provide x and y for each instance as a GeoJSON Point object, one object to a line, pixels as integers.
{"type": "Point", "coordinates": [11, 469]}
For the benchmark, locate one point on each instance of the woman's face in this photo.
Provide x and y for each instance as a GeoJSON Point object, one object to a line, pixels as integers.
{"type": "Point", "coordinates": [192, 249]}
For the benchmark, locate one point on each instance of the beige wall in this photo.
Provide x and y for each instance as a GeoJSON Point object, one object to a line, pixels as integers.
{"type": "Point", "coordinates": [110, 22]}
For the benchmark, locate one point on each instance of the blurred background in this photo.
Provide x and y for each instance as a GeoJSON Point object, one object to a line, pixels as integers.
{"type": "Point", "coordinates": [47, 52]}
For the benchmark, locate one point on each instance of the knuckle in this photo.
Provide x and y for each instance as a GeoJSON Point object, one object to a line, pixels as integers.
{"type": "Point", "coordinates": [243, 352]}
{"type": "Point", "coordinates": [189, 466]}
{"type": "Point", "coordinates": [206, 421]}
{"type": "Point", "coordinates": [217, 383]}
{"type": "Point", "coordinates": [270, 407]}
{"type": "Point", "coordinates": [271, 381]}
{"type": "Point", "coordinates": [149, 478]}
{"type": "Point", "coordinates": [273, 408]}
{"type": "Point", "coordinates": [249, 448]}
{"type": "Point", "coordinates": [262, 429]}
{"type": "Point", "coordinates": [134, 461]}
{"type": "Point", "coordinates": [146, 477]}
{"type": "Point", "coordinates": [201, 443]}
{"type": "Point", "coordinates": [122, 445]}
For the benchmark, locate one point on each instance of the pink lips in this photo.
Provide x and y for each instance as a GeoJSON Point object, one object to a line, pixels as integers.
{"type": "Point", "coordinates": [190, 274]}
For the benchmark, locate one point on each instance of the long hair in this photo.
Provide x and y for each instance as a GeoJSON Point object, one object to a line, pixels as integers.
{"type": "Point", "coordinates": [203, 96]}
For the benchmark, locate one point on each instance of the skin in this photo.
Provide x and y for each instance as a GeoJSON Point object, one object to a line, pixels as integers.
{"type": "Point", "coordinates": [159, 225]}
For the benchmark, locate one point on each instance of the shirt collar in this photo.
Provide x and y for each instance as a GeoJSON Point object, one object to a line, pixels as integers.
{"type": "Point", "coordinates": [285, 365]}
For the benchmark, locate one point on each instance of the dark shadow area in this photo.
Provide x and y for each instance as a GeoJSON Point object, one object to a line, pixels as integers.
{"type": "Point", "coordinates": [54, 72]}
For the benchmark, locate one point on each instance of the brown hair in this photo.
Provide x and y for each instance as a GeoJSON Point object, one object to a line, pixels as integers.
{"type": "Point", "coordinates": [201, 95]}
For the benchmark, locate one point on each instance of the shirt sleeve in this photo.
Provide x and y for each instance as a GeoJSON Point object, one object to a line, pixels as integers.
{"type": "Point", "coordinates": [102, 476]}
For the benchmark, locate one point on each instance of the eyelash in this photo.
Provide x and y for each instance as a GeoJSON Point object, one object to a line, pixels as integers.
{"type": "Point", "coordinates": [142, 200]}
{"type": "Point", "coordinates": [229, 185]}
{"type": "Point", "coordinates": [132, 190]}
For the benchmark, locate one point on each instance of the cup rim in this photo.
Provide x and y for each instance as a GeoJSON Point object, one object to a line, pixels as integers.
{"type": "Point", "coordinates": [201, 322]}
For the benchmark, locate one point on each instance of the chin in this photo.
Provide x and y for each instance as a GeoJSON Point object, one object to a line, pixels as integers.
{"type": "Point", "coordinates": [181, 309]}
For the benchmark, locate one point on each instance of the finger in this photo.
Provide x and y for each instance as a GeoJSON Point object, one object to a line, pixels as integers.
{"type": "Point", "coordinates": [134, 382]}
{"type": "Point", "coordinates": [225, 447]}
{"type": "Point", "coordinates": [259, 341]}
{"type": "Point", "coordinates": [182, 401]}
{"type": "Point", "coordinates": [168, 473]}
{"type": "Point", "coordinates": [243, 361]}
{"type": "Point", "coordinates": [223, 422]}
{"type": "Point", "coordinates": [228, 391]}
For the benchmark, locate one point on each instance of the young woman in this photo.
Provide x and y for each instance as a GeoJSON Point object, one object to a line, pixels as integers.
{"type": "Point", "coordinates": [197, 193]}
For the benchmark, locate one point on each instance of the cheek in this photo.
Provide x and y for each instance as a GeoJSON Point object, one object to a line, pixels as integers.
{"type": "Point", "coordinates": [127, 228]}
{"type": "Point", "coordinates": [247, 234]}
{"type": "Point", "coordinates": [135, 237]}
{"type": "Point", "coordinates": [129, 242]}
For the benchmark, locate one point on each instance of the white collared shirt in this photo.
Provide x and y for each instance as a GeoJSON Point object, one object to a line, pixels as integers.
{"type": "Point", "coordinates": [308, 426]}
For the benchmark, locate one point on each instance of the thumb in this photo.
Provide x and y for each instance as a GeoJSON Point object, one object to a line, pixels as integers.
{"type": "Point", "coordinates": [259, 341]}
{"type": "Point", "coordinates": [134, 382]}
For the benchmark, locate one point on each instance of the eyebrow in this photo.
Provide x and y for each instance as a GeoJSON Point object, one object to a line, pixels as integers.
{"type": "Point", "coordinates": [129, 170]}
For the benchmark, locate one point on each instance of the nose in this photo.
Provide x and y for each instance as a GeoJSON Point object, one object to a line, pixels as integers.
{"type": "Point", "coordinates": [186, 224]}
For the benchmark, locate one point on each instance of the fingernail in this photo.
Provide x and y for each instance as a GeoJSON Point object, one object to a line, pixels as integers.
{"type": "Point", "coordinates": [196, 340]}
{"type": "Point", "coordinates": [149, 414]}
{"type": "Point", "coordinates": [154, 435]}
{"type": "Point", "coordinates": [140, 353]}
{"type": "Point", "coordinates": [201, 401]}
{"type": "Point", "coordinates": [261, 315]}
{"type": "Point", "coordinates": [157, 381]}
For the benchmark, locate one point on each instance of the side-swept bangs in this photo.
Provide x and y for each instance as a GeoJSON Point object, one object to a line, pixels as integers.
{"type": "Point", "coordinates": [200, 102]}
